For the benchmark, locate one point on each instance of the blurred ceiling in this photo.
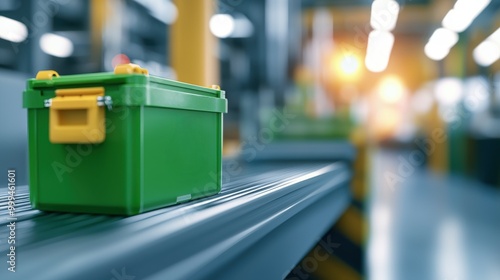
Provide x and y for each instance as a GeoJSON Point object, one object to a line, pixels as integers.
{"type": "Point", "coordinates": [337, 3]}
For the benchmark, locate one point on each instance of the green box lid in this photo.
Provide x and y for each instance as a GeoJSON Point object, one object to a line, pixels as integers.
{"type": "Point", "coordinates": [130, 90]}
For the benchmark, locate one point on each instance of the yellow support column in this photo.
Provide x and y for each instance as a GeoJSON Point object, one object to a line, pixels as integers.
{"type": "Point", "coordinates": [192, 46]}
{"type": "Point", "coordinates": [98, 14]}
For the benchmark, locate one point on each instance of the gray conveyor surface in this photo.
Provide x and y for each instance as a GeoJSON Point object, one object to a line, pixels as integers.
{"type": "Point", "coordinates": [261, 224]}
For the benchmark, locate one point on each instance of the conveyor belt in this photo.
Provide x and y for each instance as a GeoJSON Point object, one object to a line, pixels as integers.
{"type": "Point", "coordinates": [259, 226]}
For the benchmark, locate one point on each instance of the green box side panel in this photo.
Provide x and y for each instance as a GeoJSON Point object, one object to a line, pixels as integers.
{"type": "Point", "coordinates": [90, 178]}
{"type": "Point", "coordinates": [182, 155]}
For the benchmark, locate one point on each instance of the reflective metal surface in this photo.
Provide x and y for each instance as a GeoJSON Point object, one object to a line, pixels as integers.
{"type": "Point", "coordinates": [261, 224]}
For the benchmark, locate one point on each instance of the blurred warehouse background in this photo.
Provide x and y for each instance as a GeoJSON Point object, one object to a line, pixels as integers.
{"type": "Point", "coordinates": [414, 85]}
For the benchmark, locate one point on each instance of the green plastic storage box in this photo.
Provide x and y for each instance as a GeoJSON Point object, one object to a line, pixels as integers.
{"type": "Point", "coordinates": [121, 143]}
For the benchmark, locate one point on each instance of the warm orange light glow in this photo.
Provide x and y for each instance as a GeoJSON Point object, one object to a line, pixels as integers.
{"type": "Point", "coordinates": [344, 67]}
{"type": "Point", "coordinates": [349, 65]}
{"type": "Point", "coordinates": [391, 90]}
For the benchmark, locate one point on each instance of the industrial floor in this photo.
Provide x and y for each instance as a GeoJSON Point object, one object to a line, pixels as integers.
{"type": "Point", "coordinates": [431, 226]}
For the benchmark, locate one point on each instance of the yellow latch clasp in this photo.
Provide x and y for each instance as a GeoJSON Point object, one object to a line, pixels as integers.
{"type": "Point", "coordinates": [130, 68]}
{"type": "Point", "coordinates": [77, 115]}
